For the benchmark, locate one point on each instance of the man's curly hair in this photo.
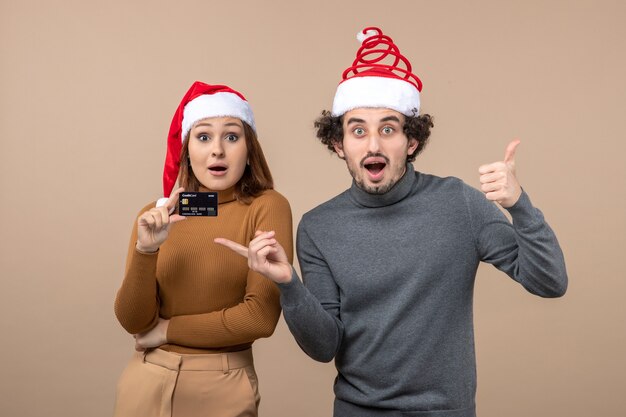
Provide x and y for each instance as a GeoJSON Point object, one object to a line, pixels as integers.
{"type": "Point", "coordinates": [330, 130]}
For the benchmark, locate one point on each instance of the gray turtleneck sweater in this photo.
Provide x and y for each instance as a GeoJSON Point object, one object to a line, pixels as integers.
{"type": "Point", "coordinates": [388, 286]}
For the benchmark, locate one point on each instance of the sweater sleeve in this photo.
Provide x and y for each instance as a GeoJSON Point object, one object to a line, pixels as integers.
{"type": "Point", "coordinates": [312, 310]}
{"type": "Point", "coordinates": [257, 314]}
{"type": "Point", "coordinates": [137, 302]}
{"type": "Point", "coordinates": [527, 250]}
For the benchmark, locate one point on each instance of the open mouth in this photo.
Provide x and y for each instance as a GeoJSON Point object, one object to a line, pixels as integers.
{"type": "Point", "coordinates": [218, 169]}
{"type": "Point", "coordinates": [375, 168]}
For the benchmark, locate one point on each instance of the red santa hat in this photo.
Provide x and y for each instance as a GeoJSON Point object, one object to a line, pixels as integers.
{"type": "Point", "coordinates": [370, 82]}
{"type": "Point", "coordinates": [200, 102]}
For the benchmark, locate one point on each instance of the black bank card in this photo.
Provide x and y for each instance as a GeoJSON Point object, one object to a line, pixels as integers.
{"type": "Point", "coordinates": [197, 204]}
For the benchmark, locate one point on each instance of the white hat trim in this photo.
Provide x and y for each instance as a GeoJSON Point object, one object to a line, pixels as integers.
{"type": "Point", "coordinates": [222, 104]}
{"type": "Point", "coordinates": [384, 92]}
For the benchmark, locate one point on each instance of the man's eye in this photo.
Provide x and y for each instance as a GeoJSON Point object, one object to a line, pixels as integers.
{"type": "Point", "coordinates": [387, 130]}
{"type": "Point", "coordinates": [359, 131]}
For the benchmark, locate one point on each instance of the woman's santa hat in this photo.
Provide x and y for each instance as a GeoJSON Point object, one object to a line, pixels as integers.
{"type": "Point", "coordinates": [200, 102]}
{"type": "Point", "coordinates": [370, 82]}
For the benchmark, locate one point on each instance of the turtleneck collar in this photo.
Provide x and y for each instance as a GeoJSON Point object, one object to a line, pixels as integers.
{"type": "Point", "coordinates": [399, 191]}
{"type": "Point", "coordinates": [223, 196]}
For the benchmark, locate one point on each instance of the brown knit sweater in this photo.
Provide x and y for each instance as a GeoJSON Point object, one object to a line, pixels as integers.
{"type": "Point", "coordinates": [214, 302]}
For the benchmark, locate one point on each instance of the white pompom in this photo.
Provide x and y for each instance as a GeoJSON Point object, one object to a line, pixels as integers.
{"type": "Point", "coordinates": [362, 36]}
{"type": "Point", "coordinates": [162, 201]}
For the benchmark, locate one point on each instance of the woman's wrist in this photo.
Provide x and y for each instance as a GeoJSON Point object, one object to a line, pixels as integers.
{"type": "Point", "coordinates": [146, 250]}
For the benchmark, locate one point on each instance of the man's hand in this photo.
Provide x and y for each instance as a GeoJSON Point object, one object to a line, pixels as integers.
{"type": "Point", "coordinates": [155, 337]}
{"type": "Point", "coordinates": [265, 256]}
{"type": "Point", "coordinates": [498, 180]}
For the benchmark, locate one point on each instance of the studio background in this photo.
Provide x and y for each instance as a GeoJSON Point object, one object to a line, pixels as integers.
{"type": "Point", "coordinates": [87, 92]}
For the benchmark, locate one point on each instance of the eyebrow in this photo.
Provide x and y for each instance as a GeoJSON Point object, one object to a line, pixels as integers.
{"type": "Point", "coordinates": [389, 119]}
{"type": "Point", "coordinates": [203, 124]}
{"type": "Point", "coordinates": [225, 124]}
{"type": "Point", "coordinates": [384, 119]}
{"type": "Point", "coordinates": [355, 120]}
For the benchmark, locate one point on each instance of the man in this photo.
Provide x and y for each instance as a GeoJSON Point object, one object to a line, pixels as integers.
{"type": "Point", "coordinates": [389, 265]}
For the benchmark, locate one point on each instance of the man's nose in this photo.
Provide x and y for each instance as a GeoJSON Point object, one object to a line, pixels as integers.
{"type": "Point", "coordinates": [373, 144]}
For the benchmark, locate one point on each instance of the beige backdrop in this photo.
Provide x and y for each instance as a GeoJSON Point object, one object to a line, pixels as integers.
{"type": "Point", "coordinates": [87, 93]}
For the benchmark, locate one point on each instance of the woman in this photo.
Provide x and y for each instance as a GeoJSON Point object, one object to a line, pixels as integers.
{"type": "Point", "coordinates": [194, 307]}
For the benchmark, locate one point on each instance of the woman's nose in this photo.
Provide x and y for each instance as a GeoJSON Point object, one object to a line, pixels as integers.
{"type": "Point", "coordinates": [218, 149]}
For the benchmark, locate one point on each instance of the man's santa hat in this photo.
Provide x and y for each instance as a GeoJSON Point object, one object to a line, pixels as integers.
{"type": "Point", "coordinates": [370, 82]}
{"type": "Point", "coordinates": [200, 102]}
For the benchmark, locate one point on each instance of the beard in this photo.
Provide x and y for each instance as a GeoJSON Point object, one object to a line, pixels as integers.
{"type": "Point", "coordinates": [374, 189]}
{"type": "Point", "coordinates": [395, 173]}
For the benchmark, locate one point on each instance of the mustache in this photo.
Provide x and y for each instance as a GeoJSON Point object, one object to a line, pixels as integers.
{"type": "Point", "coordinates": [371, 155]}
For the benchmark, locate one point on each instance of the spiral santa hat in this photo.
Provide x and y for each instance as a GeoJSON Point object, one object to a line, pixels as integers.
{"type": "Point", "coordinates": [379, 77]}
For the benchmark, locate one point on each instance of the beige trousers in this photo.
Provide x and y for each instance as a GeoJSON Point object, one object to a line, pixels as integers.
{"type": "Point", "coordinates": [165, 384]}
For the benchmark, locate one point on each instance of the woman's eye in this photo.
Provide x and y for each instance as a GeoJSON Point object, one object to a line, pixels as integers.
{"type": "Point", "coordinates": [359, 131]}
{"type": "Point", "coordinates": [387, 130]}
{"type": "Point", "coordinates": [232, 138]}
{"type": "Point", "coordinates": [203, 137]}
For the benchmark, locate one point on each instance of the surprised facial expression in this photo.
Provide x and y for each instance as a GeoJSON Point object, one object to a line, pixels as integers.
{"type": "Point", "coordinates": [218, 152]}
{"type": "Point", "coordinates": [375, 148]}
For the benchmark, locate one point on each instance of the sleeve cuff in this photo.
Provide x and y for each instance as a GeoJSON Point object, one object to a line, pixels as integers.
{"type": "Point", "coordinates": [523, 213]}
{"type": "Point", "coordinates": [292, 292]}
{"type": "Point", "coordinates": [143, 261]}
